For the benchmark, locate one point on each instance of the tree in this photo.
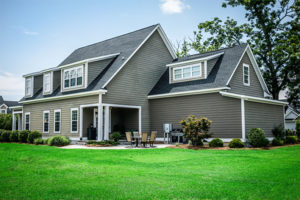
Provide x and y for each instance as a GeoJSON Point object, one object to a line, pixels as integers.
{"type": "Point", "coordinates": [273, 34]}
{"type": "Point", "coordinates": [182, 49]}
{"type": "Point", "coordinates": [196, 129]}
{"type": "Point", "coordinates": [6, 121]}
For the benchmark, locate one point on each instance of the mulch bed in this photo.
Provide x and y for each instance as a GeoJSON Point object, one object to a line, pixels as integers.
{"type": "Point", "coordinates": [205, 146]}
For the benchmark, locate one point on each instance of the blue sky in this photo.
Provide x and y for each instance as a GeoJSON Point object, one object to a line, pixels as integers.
{"type": "Point", "coordinates": [35, 35]}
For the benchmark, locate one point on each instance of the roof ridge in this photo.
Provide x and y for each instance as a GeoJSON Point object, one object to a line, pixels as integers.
{"type": "Point", "coordinates": [116, 37]}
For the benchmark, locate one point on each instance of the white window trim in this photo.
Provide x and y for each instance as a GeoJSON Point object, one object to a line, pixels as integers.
{"type": "Point", "coordinates": [46, 111]}
{"type": "Point", "coordinates": [246, 65]}
{"type": "Point", "coordinates": [69, 70]}
{"type": "Point", "coordinates": [31, 87]}
{"type": "Point", "coordinates": [55, 111]}
{"type": "Point", "coordinates": [27, 113]}
{"type": "Point", "coordinates": [72, 109]}
{"type": "Point", "coordinates": [187, 66]}
{"type": "Point", "coordinates": [50, 83]}
{"type": "Point", "coordinates": [5, 109]}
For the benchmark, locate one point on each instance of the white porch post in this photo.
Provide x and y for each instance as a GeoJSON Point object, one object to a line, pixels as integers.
{"type": "Point", "coordinates": [14, 122]}
{"type": "Point", "coordinates": [100, 119]}
{"type": "Point", "coordinates": [106, 123]}
{"type": "Point", "coordinates": [243, 119]}
{"type": "Point", "coordinates": [140, 120]}
{"type": "Point", "coordinates": [19, 122]}
{"type": "Point", "coordinates": [81, 122]}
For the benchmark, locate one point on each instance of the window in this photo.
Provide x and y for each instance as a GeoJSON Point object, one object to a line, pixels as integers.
{"type": "Point", "coordinates": [57, 121]}
{"type": "Point", "coordinates": [27, 121]}
{"type": "Point", "coordinates": [187, 72]}
{"type": "Point", "coordinates": [3, 111]}
{"type": "Point", "coordinates": [46, 121]}
{"type": "Point", "coordinates": [47, 83]}
{"type": "Point", "coordinates": [73, 77]}
{"type": "Point", "coordinates": [74, 120]}
{"type": "Point", "coordinates": [28, 86]}
{"type": "Point", "coordinates": [246, 75]}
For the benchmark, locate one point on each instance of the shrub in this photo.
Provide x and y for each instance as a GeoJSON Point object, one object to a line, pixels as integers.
{"type": "Point", "coordinates": [256, 138]}
{"type": "Point", "coordinates": [14, 136]}
{"type": "Point", "coordinates": [46, 141]}
{"type": "Point", "coordinates": [58, 141]}
{"type": "Point", "coordinates": [33, 135]}
{"type": "Point", "coordinates": [289, 132]}
{"type": "Point", "coordinates": [23, 135]}
{"type": "Point", "coordinates": [277, 142]}
{"type": "Point", "coordinates": [216, 143]}
{"type": "Point", "coordinates": [38, 141]}
{"type": "Point", "coordinates": [116, 136]}
{"type": "Point", "coordinates": [297, 128]}
{"type": "Point", "coordinates": [196, 129]}
{"type": "Point", "coordinates": [236, 143]}
{"type": "Point", "coordinates": [6, 121]}
{"type": "Point", "coordinates": [5, 136]}
{"type": "Point", "coordinates": [1, 131]}
{"type": "Point", "coordinates": [291, 139]}
{"type": "Point", "coordinates": [278, 131]}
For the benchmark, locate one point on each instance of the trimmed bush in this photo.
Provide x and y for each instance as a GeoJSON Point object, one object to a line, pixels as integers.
{"type": "Point", "coordinates": [58, 141]}
{"type": "Point", "coordinates": [5, 136]}
{"type": "Point", "coordinates": [14, 136]}
{"type": "Point", "coordinates": [23, 135]}
{"type": "Point", "coordinates": [46, 141]}
{"type": "Point", "coordinates": [277, 142]}
{"type": "Point", "coordinates": [216, 143]}
{"type": "Point", "coordinates": [297, 128]}
{"type": "Point", "coordinates": [289, 132]}
{"type": "Point", "coordinates": [291, 139]}
{"type": "Point", "coordinates": [256, 138]}
{"type": "Point", "coordinates": [236, 143]}
{"type": "Point", "coordinates": [116, 136]}
{"type": "Point", "coordinates": [33, 135]}
{"type": "Point", "coordinates": [1, 131]}
{"type": "Point", "coordinates": [38, 141]}
{"type": "Point", "coordinates": [278, 131]}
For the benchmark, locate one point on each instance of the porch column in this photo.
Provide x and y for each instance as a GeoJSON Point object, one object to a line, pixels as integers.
{"type": "Point", "coordinates": [106, 123]}
{"type": "Point", "coordinates": [19, 122]}
{"type": "Point", "coordinates": [14, 122]}
{"type": "Point", "coordinates": [100, 119]}
{"type": "Point", "coordinates": [243, 120]}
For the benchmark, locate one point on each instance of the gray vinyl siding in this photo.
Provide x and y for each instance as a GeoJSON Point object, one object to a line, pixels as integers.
{"type": "Point", "coordinates": [133, 83]}
{"type": "Point", "coordinates": [36, 114]}
{"type": "Point", "coordinates": [264, 116]}
{"type": "Point", "coordinates": [224, 112]}
{"type": "Point", "coordinates": [56, 79]}
{"type": "Point", "coordinates": [95, 68]}
{"type": "Point", "coordinates": [37, 83]}
{"type": "Point", "coordinates": [237, 85]}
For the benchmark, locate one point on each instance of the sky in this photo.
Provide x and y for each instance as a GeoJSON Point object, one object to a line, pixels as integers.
{"type": "Point", "coordinates": [39, 34]}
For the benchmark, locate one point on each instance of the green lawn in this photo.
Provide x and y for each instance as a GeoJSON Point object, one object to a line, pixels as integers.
{"type": "Point", "coordinates": [43, 172]}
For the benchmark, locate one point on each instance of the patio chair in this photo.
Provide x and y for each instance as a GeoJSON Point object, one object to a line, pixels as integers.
{"type": "Point", "coordinates": [152, 138]}
{"type": "Point", "coordinates": [136, 134]}
{"type": "Point", "coordinates": [129, 138]}
{"type": "Point", "coordinates": [144, 139]}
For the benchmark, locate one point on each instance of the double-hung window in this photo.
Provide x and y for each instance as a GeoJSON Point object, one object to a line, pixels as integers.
{"type": "Point", "coordinates": [47, 83]}
{"type": "Point", "coordinates": [73, 77]}
{"type": "Point", "coordinates": [246, 75]}
{"type": "Point", "coordinates": [57, 120]}
{"type": "Point", "coordinates": [74, 120]}
{"type": "Point", "coordinates": [27, 121]}
{"type": "Point", "coordinates": [28, 86]}
{"type": "Point", "coordinates": [187, 72]}
{"type": "Point", "coordinates": [46, 120]}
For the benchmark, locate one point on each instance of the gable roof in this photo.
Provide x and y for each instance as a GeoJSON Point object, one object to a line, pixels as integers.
{"type": "Point", "coordinates": [8, 103]}
{"type": "Point", "coordinates": [217, 78]}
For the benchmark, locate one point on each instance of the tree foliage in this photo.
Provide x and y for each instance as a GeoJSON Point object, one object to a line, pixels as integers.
{"type": "Point", "coordinates": [273, 32]}
{"type": "Point", "coordinates": [6, 121]}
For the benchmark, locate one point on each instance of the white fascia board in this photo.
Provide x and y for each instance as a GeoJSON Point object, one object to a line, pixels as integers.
{"type": "Point", "coordinates": [16, 107]}
{"type": "Point", "coordinates": [254, 99]}
{"type": "Point", "coordinates": [196, 60]}
{"type": "Point", "coordinates": [41, 72]}
{"type": "Point", "coordinates": [186, 93]}
{"type": "Point", "coordinates": [166, 41]}
{"type": "Point", "coordinates": [4, 105]}
{"type": "Point", "coordinates": [62, 97]}
{"type": "Point", "coordinates": [90, 60]}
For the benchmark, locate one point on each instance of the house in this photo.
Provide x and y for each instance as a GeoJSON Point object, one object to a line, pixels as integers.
{"type": "Point", "coordinates": [136, 82]}
{"type": "Point", "coordinates": [290, 117]}
{"type": "Point", "coordinates": [5, 106]}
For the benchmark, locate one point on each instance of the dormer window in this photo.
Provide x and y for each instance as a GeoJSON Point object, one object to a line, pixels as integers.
{"type": "Point", "coordinates": [28, 86]}
{"type": "Point", "coordinates": [47, 82]}
{"type": "Point", "coordinates": [186, 72]}
{"type": "Point", "coordinates": [246, 75]}
{"type": "Point", "coordinates": [73, 77]}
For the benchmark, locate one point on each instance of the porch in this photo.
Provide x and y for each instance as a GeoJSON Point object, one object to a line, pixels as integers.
{"type": "Point", "coordinates": [110, 117]}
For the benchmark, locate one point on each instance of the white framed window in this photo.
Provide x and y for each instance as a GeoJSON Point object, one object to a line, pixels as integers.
{"type": "Point", "coordinates": [47, 82]}
{"type": "Point", "coordinates": [46, 120]}
{"type": "Point", "coordinates": [27, 121]}
{"type": "Point", "coordinates": [57, 120]}
{"type": "Point", "coordinates": [74, 120]}
{"type": "Point", "coordinates": [73, 77]}
{"type": "Point", "coordinates": [28, 86]}
{"type": "Point", "coordinates": [3, 109]}
{"type": "Point", "coordinates": [246, 75]}
{"type": "Point", "coordinates": [187, 72]}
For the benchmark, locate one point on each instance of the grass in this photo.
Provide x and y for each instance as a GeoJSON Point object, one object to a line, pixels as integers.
{"type": "Point", "coordinates": [43, 172]}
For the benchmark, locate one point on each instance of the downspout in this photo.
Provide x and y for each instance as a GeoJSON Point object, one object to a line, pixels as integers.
{"type": "Point", "coordinates": [243, 119]}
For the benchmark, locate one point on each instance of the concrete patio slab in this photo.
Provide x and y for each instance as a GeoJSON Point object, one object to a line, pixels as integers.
{"type": "Point", "coordinates": [76, 146]}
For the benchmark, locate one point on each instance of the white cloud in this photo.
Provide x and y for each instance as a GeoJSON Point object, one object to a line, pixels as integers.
{"type": "Point", "coordinates": [11, 86]}
{"type": "Point", "coordinates": [173, 6]}
{"type": "Point", "coordinates": [25, 30]}
{"type": "Point", "coordinates": [30, 33]}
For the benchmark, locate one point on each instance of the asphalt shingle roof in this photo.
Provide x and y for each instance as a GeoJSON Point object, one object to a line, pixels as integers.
{"type": "Point", "coordinates": [8, 103]}
{"type": "Point", "coordinates": [218, 77]}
